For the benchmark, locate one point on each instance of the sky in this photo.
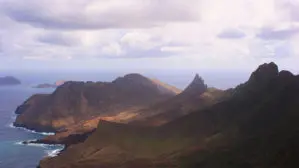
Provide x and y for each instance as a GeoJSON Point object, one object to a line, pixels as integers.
{"type": "Point", "coordinates": [148, 34]}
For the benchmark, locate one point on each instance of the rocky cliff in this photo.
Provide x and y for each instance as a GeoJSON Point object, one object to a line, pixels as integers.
{"type": "Point", "coordinates": [196, 96]}
{"type": "Point", "coordinates": [73, 102]}
{"type": "Point", "coordinates": [256, 126]}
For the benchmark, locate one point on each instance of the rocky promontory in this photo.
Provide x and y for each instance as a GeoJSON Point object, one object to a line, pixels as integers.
{"type": "Point", "coordinates": [74, 102]}
{"type": "Point", "coordinates": [195, 96]}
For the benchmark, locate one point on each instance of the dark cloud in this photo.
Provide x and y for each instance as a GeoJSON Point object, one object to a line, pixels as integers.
{"type": "Point", "coordinates": [38, 14]}
{"type": "Point", "coordinates": [231, 34]}
{"type": "Point", "coordinates": [58, 39]}
{"type": "Point", "coordinates": [42, 20]}
{"type": "Point", "coordinates": [272, 34]}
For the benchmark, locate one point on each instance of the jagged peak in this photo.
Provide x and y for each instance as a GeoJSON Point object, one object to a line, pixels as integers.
{"type": "Point", "coordinates": [197, 86]}
{"type": "Point", "coordinates": [198, 79]}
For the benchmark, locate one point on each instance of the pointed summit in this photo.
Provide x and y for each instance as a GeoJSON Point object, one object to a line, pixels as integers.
{"type": "Point", "coordinates": [197, 86]}
{"type": "Point", "coordinates": [265, 72]}
{"type": "Point", "coordinates": [261, 78]}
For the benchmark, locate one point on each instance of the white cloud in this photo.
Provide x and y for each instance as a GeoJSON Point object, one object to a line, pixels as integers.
{"type": "Point", "coordinates": [139, 40]}
{"type": "Point", "coordinates": [113, 49]}
{"type": "Point", "coordinates": [186, 33]}
{"type": "Point", "coordinates": [98, 14]}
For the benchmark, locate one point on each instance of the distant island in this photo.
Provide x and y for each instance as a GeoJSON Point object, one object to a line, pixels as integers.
{"type": "Point", "coordinates": [48, 85]}
{"type": "Point", "coordinates": [9, 80]}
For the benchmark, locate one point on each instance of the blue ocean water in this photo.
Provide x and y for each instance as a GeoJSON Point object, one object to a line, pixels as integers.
{"type": "Point", "coordinates": [12, 153]}
{"type": "Point", "coordinates": [15, 155]}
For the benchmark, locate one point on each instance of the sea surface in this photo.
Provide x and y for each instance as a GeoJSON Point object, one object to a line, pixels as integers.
{"type": "Point", "coordinates": [13, 154]}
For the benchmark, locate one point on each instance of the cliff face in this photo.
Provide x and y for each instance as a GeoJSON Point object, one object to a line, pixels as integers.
{"type": "Point", "coordinates": [257, 126]}
{"type": "Point", "coordinates": [9, 80]}
{"type": "Point", "coordinates": [196, 96]}
{"type": "Point", "coordinates": [73, 102]}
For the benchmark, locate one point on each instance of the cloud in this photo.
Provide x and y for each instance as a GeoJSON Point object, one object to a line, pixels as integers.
{"type": "Point", "coordinates": [90, 14]}
{"type": "Point", "coordinates": [145, 49]}
{"type": "Point", "coordinates": [58, 39]}
{"type": "Point", "coordinates": [231, 34]}
{"type": "Point", "coordinates": [291, 7]}
{"type": "Point", "coordinates": [277, 34]}
{"type": "Point", "coordinates": [1, 45]}
{"type": "Point", "coordinates": [140, 53]}
{"type": "Point", "coordinates": [272, 49]}
{"type": "Point", "coordinates": [181, 33]}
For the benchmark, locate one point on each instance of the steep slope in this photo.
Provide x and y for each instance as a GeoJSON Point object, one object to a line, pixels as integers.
{"type": "Point", "coordinates": [266, 128]}
{"type": "Point", "coordinates": [256, 127]}
{"type": "Point", "coordinates": [73, 102]}
{"type": "Point", "coordinates": [196, 96]}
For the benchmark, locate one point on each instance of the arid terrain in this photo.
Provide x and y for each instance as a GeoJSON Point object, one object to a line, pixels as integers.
{"type": "Point", "coordinates": [252, 125]}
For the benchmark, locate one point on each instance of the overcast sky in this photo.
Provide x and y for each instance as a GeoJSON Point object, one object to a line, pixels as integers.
{"type": "Point", "coordinates": [148, 34]}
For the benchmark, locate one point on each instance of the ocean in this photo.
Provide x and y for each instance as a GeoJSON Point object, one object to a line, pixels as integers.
{"type": "Point", "coordinates": [13, 154]}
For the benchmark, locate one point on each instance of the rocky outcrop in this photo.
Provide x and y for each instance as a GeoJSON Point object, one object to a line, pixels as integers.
{"type": "Point", "coordinates": [9, 80]}
{"type": "Point", "coordinates": [74, 102]}
{"type": "Point", "coordinates": [256, 126]}
{"type": "Point", "coordinates": [197, 86]}
{"type": "Point", "coordinates": [196, 96]}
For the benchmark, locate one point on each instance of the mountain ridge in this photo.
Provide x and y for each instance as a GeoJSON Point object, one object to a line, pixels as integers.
{"type": "Point", "coordinates": [256, 126]}
{"type": "Point", "coordinates": [195, 96]}
{"type": "Point", "coordinates": [76, 101]}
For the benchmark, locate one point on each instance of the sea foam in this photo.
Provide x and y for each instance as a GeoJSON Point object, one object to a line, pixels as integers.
{"type": "Point", "coordinates": [13, 118]}
{"type": "Point", "coordinates": [49, 152]}
{"type": "Point", "coordinates": [53, 153]}
{"type": "Point", "coordinates": [28, 130]}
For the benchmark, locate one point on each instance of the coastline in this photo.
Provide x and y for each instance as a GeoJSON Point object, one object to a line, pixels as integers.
{"type": "Point", "coordinates": [30, 130]}
{"type": "Point", "coordinates": [49, 152]}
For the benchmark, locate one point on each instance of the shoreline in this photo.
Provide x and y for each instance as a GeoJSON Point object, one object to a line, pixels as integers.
{"type": "Point", "coordinates": [49, 152]}
{"type": "Point", "coordinates": [11, 125]}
